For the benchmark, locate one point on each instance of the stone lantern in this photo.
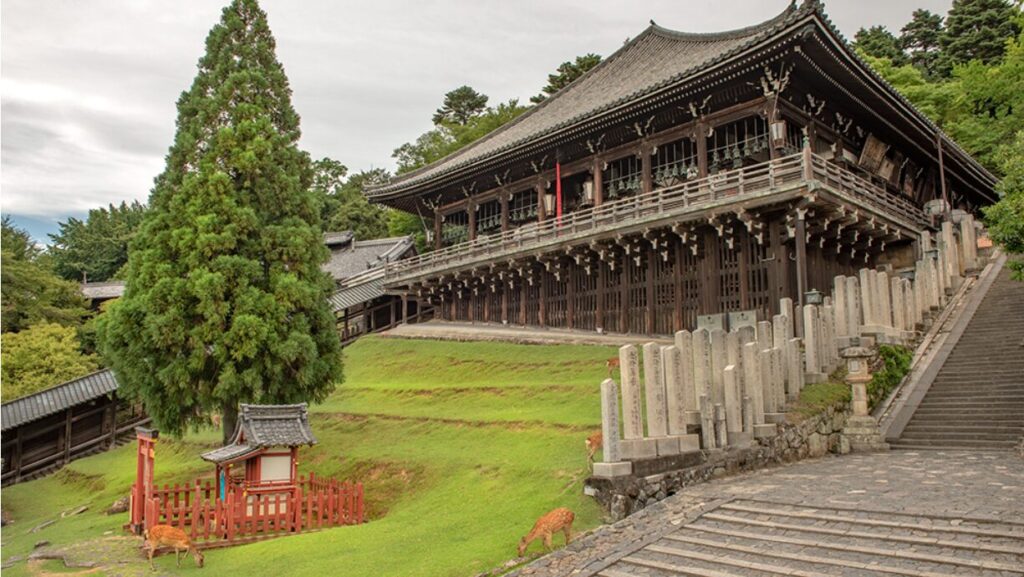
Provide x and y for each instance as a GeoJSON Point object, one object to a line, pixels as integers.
{"type": "Point", "coordinates": [861, 428]}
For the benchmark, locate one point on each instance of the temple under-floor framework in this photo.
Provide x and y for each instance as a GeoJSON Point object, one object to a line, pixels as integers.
{"type": "Point", "coordinates": [685, 178]}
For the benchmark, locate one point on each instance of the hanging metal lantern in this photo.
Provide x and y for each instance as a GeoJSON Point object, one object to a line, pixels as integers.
{"type": "Point", "coordinates": [778, 130]}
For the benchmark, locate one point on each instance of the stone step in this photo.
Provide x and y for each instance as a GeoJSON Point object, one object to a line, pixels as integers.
{"type": "Point", "coordinates": [914, 436]}
{"type": "Point", "coordinates": [981, 427]}
{"type": "Point", "coordinates": [1004, 394]}
{"type": "Point", "coordinates": [981, 404]}
{"type": "Point", "coordinates": [959, 444]}
{"type": "Point", "coordinates": [898, 446]}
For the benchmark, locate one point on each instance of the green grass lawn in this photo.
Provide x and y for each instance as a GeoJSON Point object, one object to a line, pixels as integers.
{"type": "Point", "coordinates": [461, 446]}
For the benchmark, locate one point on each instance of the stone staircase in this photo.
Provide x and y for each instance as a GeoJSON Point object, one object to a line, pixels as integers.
{"type": "Point", "coordinates": [753, 538]}
{"type": "Point", "coordinates": [977, 399]}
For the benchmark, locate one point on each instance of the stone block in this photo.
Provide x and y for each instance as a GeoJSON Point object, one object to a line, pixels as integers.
{"type": "Point", "coordinates": [692, 418]}
{"type": "Point", "coordinates": [765, 430]}
{"type": "Point", "coordinates": [684, 347]}
{"type": "Point", "coordinates": [612, 470]}
{"type": "Point", "coordinates": [654, 391]}
{"type": "Point", "coordinates": [610, 420]}
{"type": "Point", "coordinates": [741, 440]}
{"type": "Point", "coordinates": [775, 418]}
{"type": "Point", "coordinates": [667, 445]}
{"type": "Point", "coordinates": [632, 410]}
{"type": "Point", "coordinates": [638, 449]}
{"type": "Point", "coordinates": [689, 443]}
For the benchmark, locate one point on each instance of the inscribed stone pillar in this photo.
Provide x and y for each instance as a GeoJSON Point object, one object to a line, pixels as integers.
{"type": "Point", "coordinates": [654, 391]}
{"type": "Point", "coordinates": [721, 434]}
{"type": "Point", "coordinates": [839, 301]}
{"type": "Point", "coordinates": [610, 421]}
{"type": "Point", "coordinates": [920, 287]}
{"type": "Point", "coordinates": [830, 353]}
{"type": "Point", "coordinates": [942, 275]}
{"type": "Point", "coordinates": [969, 240]}
{"type": "Point", "coordinates": [719, 358]}
{"type": "Point", "coordinates": [952, 251]}
{"type": "Point", "coordinates": [684, 346]}
{"type": "Point", "coordinates": [764, 362]}
{"type": "Point", "coordinates": [764, 335]}
{"type": "Point", "coordinates": [796, 369]}
{"type": "Point", "coordinates": [899, 306]}
{"type": "Point", "coordinates": [733, 355]}
{"type": "Point", "coordinates": [884, 299]}
{"type": "Point", "coordinates": [632, 411]}
{"type": "Point", "coordinates": [867, 305]}
{"type": "Point", "coordinates": [748, 416]}
{"type": "Point", "coordinates": [935, 281]}
{"type": "Point", "coordinates": [701, 364]}
{"type": "Point", "coordinates": [910, 301]}
{"type": "Point", "coordinates": [854, 320]}
{"type": "Point", "coordinates": [778, 383]}
{"type": "Point", "coordinates": [675, 395]}
{"type": "Point", "coordinates": [747, 333]}
{"type": "Point", "coordinates": [786, 310]}
{"type": "Point", "coordinates": [926, 241]}
{"type": "Point", "coordinates": [811, 345]}
{"type": "Point", "coordinates": [733, 400]}
{"type": "Point", "coordinates": [707, 423]}
{"type": "Point", "coordinates": [752, 381]}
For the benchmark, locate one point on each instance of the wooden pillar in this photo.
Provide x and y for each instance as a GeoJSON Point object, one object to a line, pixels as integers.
{"type": "Point", "coordinates": [598, 181]}
{"type": "Point", "coordinates": [67, 435]}
{"type": "Point", "coordinates": [677, 283]}
{"type": "Point", "coordinates": [542, 309]}
{"type": "Point", "coordinates": [741, 247]}
{"type": "Point", "coordinates": [801, 261]}
{"type": "Point", "coordinates": [702, 148]}
{"type": "Point", "coordinates": [541, 209]}
{"type": "Point", "coordinates": [111, 417]}
{"type": "Point", "coordinates": [773, 107]}
{"type": "Point", "coordinates": [391, 309]}
{"type": "Point", "coordinates": [649, 311]}
{"type": "Point", "coordinates": [16, 464]}
{"type": "Point", "coordinates": [601, 280]}
{"type": "Point", "coordinates": [504, 302]}
{"type": "Point", "coordinates": [525, 289]}
{"type": "Point", "coordinates": [438, 219]}
{"type": "Point", "coordinates": [471, 213]}
{"type": "Point", "coordinates": [405, 308]}
{"type": "Point", "coordinates": [570, 295]}
{"type": "Point", "coordinates": [504, 194]}
{"type": "Point", "coordinates": [645, 168]}
{"type": "Point", "coordinates": [624, 292]}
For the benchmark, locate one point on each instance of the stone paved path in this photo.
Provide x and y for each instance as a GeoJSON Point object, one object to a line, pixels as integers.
{"type": "Point", "coordinates": [924, 514]}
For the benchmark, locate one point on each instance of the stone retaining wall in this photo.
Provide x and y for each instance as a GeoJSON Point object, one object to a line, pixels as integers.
{"type": "Point", "coordinates": [656, 478]}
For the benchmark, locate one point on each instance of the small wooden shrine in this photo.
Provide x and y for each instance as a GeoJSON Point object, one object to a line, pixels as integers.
{"type": "Point", "coordinates": [257, 491]}
{"type": "Point", "coordinates": [262, 458]}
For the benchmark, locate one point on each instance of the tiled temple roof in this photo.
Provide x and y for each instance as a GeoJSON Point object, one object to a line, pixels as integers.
{"type": "Point", "coordinates": [56, 399]}
{"type": "Point", "coordinates": [263, 426]}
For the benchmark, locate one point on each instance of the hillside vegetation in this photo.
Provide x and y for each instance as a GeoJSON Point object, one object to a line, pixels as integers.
{"type": "Point", "coordinates": [461, 446]}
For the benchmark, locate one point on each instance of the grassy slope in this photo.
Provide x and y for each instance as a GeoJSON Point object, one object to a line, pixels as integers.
{"type": "Point", "coordinates": [462, 444]}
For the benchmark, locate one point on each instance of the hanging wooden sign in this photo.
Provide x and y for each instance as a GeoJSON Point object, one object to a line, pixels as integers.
{"type": "Point", "coordinates": [872, 154]}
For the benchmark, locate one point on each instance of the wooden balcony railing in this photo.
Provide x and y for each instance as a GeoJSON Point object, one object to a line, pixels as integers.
{"type": "Point", "coordinates": [759, 180]}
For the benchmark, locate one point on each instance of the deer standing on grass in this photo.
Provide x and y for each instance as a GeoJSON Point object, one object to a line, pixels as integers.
{"type": "Point", "coordinates": [593, 444]}
{"type": "Point", "coordinates": [612, 364]}
{"type": "Point", "coordinates": [165, 535]}
{"type": "Point", "coordinates": [559, 519]}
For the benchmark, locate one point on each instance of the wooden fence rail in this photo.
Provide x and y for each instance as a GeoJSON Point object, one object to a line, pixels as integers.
{"type": "Point", "coordinates": [255, 512]}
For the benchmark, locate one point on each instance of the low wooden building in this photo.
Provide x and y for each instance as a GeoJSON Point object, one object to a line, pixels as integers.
{"type": "Point", "coordinates": [50, 428]}
{"type": "Point", "coordinates": [686, 176]}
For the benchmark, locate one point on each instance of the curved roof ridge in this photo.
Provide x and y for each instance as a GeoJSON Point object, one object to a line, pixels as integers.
{"type": "Point", "coordinates": [724, 34]}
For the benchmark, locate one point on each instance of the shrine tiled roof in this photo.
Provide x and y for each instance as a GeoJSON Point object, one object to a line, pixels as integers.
{"type": "Point", "coordinates": [354, 256]}
{"type": "Point", "coordinates": [654, 59]}
{"type": "Point", "coordinates": [57, 398]}
{"type": "Point", "coordinates": [262, 426]}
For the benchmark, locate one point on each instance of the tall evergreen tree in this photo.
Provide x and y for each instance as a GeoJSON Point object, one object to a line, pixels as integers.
{"type": "Point", "coordinates": [879, 43]}
{"type": "Point", "coordinates": [225, 299]}
{"type": "Point", "coordinates": [978, 30]}
{"type": "Point", "coordinates": [566, 73]}
{"type": "Point", "coordinates": [345, 206]}
{"type": "Point", "coordinates": [920, 41]}
{"type": "Point", "coordinates": [96, 248]}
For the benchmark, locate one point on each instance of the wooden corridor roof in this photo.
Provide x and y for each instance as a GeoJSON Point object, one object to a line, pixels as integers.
{"type": "Point", "coordinates": [57, 398]}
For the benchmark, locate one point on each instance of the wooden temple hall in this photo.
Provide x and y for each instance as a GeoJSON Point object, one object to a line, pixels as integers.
{"type": "Point", "coordinates": [686, 175]}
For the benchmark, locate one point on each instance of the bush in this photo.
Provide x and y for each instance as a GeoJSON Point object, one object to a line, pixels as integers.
{"type": "Point", "coordinates": [892, 365]}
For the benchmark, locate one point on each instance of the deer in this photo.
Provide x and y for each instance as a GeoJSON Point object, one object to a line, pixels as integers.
{"type": "Point", "coordinates": [612, 364]}
{"type": "Point", "coordinates": [165, 535]}
{"type": "Point", "coordinates": [593, 444]}
{"type": "Point", "coordinates": [553, 521]}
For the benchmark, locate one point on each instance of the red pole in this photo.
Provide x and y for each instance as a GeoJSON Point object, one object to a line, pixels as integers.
{"type": "Point", "coordinates": [558, 191]}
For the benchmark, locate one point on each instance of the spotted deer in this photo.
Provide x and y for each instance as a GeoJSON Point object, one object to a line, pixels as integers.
{"type": "Point", "coordinates": [593, 444]}
{"type": "Point", "coordinates": [167, 536]}
{"type": "Point", "coordinates": [556, 520]}
{"type": "Point", "coordinates": [612, 364]}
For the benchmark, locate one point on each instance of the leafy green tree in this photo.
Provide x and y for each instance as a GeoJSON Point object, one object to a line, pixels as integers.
{"type": "Point", "coordinates": [1005, 219]}
{"type": "Point", "coordinates": [935, 99]}
{"type": "Point", "coordinates": [225, 300]}
{"type": "Point", "coordinates": [345, 206]}
{"type": "Point", "coordinates": [920, 40]}
{"type": "Point", "coordinates": [460, 106]}
{"type": "Point", "coordinates": [978, 30]}
{"type": "Point", "coordinates": [447, 137]}
{"type": "Point", "coordinates": [402, 223]}
{"type": "Point", "coordinates": [29, 291]}
{"type": "Point", "coordinates": [565, 74]}
{"type": "Point", "coordinates": [97, 248]}
{"type": "Point", "coordinates": [879, 43]}
{"type": "Point", "coordinates": [990, 102]}
{"type": "Point", "coordinates": [39, 357]}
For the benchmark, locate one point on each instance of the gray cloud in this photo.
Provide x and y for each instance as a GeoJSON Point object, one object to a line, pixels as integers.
{"type": "Point", "coordinates": [89, 88]}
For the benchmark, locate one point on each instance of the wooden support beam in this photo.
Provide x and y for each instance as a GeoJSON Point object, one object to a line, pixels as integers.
{"type": "Point", "coordinates": [67, 435]}
{"type": "Point", "coordinates": [702, 148]}
{"type": "Point", "coordinates": [438, 217]}
{"type": "Point", "coordinates": [650, 269]}
{"type": "Point", "coordinates": [598, 181]}
{"type": "Point", "coordinates": [471, 214]}
{"type": "Point", "coordinates": [570, 294]}
{"type": "Point", "coordinates": [542, 308]}
{"type": "Point", "coordinates": [601, 281]}
{"type": "Point", "coordinates": [801, 262]}
{"type": "Point", "coordinates": [677, 282]}
{"type": "Point", "coordinates": [541, 209]}
{"type": "Point", "coordinates": [504, 210]}
{"type": "Point", "coordinates": [645, 168]}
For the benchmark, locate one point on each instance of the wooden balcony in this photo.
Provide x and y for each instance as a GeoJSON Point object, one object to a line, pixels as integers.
{"type": "Point", "coordinates": [802, 175]}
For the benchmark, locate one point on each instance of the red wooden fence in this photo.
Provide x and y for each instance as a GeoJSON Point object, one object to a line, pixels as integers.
{"type": "Point", "coordinates": [255, 512]}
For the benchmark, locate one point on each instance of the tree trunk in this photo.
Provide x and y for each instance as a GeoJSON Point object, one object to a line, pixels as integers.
{"type": "Point", "coordinates": [228, 420]}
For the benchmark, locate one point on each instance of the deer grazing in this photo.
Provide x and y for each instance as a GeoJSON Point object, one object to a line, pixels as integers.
{"type": "Point", "coordinates": [593, 444]}
{"type": "Point", "coordinates": [559, 519]}
{"type": "Point", "coordinates": [167, 536]}
{"type": "Point", "coordinates": [612, 364]}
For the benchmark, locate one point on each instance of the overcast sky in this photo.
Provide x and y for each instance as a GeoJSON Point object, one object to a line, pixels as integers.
{"type": "Point", "coordinates": [89, 87]}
